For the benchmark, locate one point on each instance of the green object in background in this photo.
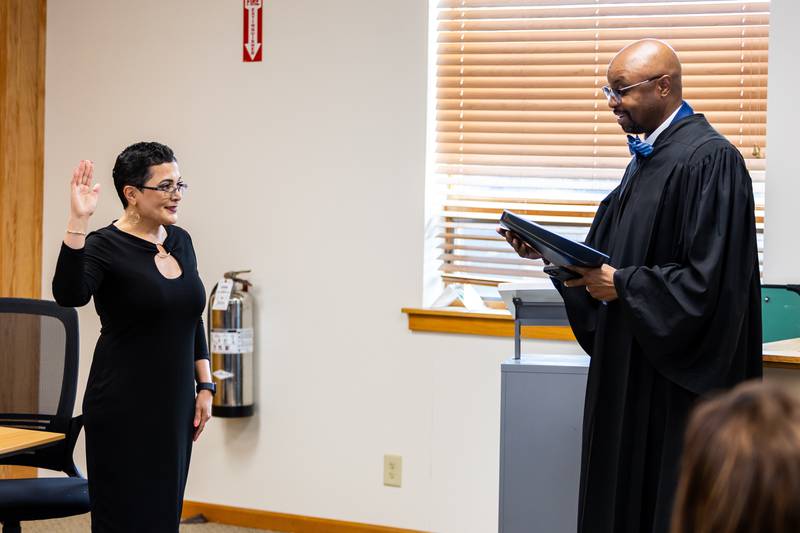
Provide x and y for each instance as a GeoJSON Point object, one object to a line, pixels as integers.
{"type": "Point", "coordinates": [780, 312]}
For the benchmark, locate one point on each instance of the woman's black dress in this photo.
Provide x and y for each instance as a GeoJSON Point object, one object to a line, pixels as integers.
{"type": "Point", "coordinates": [139, 403]}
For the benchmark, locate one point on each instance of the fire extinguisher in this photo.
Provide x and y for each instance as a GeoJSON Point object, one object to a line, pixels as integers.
{"type": "Point", "coordinates": [230, 341]}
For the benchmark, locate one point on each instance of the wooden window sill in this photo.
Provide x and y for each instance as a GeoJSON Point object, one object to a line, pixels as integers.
{"type": "Point", "coordinates": [493, 322]}
{"type": "Point", "coordinates": [498, 323]}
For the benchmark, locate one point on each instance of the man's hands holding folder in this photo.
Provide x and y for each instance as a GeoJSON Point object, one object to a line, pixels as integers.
{"type": "Point", "coordinates": [599, 282]}
{"type": "Point", "coordinates": [525, 250]}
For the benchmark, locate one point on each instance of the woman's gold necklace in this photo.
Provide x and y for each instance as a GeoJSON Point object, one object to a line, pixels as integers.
{"type": "Point", "coordinates": [161, 252]}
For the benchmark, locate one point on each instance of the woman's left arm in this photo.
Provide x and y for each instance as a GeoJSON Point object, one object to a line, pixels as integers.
{"type": "Point", "coordinates": [202, 402]}
{"type": "Point", "coordinates": [202, 370]}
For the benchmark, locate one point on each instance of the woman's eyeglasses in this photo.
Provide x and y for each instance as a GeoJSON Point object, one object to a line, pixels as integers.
{"type": "Point", "coordinates": [179, 187]}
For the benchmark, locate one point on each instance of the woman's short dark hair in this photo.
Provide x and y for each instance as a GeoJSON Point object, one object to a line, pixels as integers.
{"type": "Point", "coordinates": [133, 165]}
{"type": "Point", "coordinates": [741, 464]}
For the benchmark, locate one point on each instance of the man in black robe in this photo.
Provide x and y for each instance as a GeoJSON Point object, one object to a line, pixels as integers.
{"type": "Point", "coordinates": [676, 311]}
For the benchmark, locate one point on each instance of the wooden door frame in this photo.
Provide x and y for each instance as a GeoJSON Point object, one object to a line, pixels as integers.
{"type": "Point", "coordinates": [22, 82]}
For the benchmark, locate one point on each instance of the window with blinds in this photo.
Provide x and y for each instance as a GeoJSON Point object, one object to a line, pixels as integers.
{"type": "Point", "coordinates": [521, 122]}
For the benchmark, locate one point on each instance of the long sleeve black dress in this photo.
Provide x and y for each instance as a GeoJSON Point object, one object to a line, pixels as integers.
{"type": "Point", "coordinates": [139, 402]}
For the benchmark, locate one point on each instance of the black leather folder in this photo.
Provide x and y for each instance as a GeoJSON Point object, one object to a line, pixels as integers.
{"type": "Point", "coordinates": [560, 251]}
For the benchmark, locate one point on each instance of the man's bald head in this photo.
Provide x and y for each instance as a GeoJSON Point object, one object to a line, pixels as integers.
{"type": "Point", "coordinates": [648, 58]}
{"type": "Point", "coordinates": [643, 108]}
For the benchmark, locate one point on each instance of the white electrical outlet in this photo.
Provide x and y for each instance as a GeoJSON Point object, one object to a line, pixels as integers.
{"type": "Point", "coordinates": [392, 470]}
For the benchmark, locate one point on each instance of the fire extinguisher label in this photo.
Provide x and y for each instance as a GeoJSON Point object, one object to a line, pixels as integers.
{"type": "Point", "coordinates": [232, 340]}
{"type": "Point", "coordinates": [223, 294]}
{"type": "Point", "coordinates": [222, 375]}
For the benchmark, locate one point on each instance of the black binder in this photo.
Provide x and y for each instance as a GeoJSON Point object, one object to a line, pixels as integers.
{"type": "Point", "coordinates": [559, 251]}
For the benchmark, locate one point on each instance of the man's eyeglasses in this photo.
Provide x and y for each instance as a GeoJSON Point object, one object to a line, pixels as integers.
{"type": "Point", "coordinates": [617, 94]}
{"type": "Point", "coordinates": [180, 187]}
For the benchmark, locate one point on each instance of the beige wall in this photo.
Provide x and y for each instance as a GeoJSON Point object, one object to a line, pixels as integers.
{"type": "Point", "coordinates": [286, 160]}
{"type": "Point", "coordinates": [781, 251]}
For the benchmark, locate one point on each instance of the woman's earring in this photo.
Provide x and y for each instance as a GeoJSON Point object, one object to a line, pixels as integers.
{"type": "Point", "coordinates": [135, 217]}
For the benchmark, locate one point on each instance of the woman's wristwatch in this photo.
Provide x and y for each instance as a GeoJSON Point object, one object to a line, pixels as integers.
{"type": "Point", "coordinates": [207, 385]}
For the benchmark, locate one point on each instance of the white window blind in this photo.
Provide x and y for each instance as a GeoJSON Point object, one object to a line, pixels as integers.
{"type": "Point", "coordinates": [521, 122]}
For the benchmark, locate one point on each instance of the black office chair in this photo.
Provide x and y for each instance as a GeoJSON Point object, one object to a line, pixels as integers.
{"type": "Point", "coordinates": [38, 382]}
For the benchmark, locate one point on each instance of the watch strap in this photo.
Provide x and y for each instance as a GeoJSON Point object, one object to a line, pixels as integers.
{"type": "Point", "coordinates": [207, 385]}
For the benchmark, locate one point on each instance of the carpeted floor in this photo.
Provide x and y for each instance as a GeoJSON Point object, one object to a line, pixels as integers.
{"type": "Point", "coordinates": [80, 524]}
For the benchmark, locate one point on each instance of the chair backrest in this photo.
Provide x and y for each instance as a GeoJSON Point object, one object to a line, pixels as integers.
{"type": "Point", "coordinates": [39, 376]}
{"type": "Point", "coordinates": [780, 312]}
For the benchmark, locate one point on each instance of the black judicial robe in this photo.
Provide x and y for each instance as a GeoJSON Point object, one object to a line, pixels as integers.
{"type": "Point", "coordinates": [687, 321]}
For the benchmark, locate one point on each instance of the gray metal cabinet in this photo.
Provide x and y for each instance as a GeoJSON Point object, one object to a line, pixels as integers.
{"type": "Point", "coordinates": [540, 442]}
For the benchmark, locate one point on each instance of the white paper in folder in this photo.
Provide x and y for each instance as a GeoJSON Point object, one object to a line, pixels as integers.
{"type": "Point", "coordinates": [540, 291]}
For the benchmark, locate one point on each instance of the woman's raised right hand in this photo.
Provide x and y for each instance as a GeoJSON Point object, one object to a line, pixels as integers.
{"type": "Point", "coordinates": [84, 195]}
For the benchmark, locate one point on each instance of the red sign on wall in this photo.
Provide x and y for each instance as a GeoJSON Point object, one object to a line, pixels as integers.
{"type": "Point", "coordinates": [253, 37]}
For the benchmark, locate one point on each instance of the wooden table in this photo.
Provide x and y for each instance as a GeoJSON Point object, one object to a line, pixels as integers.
{"type": "Point", "coordinates": [782, 354]}
{"type": "Point", "coordinates": [14, 440]}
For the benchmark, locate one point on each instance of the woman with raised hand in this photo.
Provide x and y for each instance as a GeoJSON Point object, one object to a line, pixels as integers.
{"type": "Point", "coordinates": [141, 408]}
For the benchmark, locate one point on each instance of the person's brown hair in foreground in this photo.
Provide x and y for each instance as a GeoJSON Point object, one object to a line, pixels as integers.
{"type": "Point", "coordinates": [741, 465]}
